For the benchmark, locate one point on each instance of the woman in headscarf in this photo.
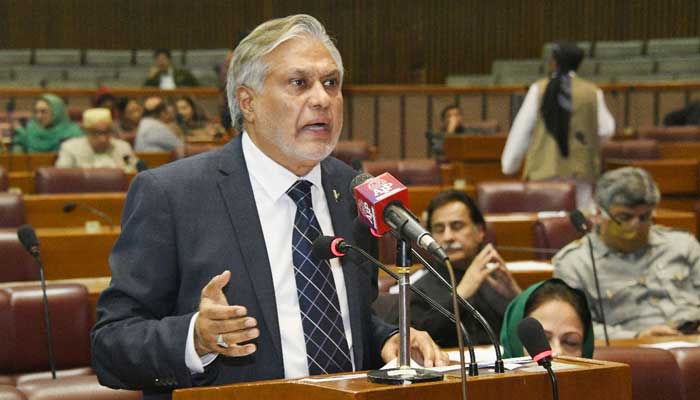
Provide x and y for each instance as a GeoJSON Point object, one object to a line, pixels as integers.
{"type": "Point", "coordinates": [563, 313]}
{"type": "Point", "coordinates": [49, 127]}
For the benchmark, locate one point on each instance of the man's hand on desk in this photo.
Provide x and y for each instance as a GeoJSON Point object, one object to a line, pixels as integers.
{"type": "Point", "coordinates": [423, 349]}
{"type": "Point", "coordinates": [220, 327]}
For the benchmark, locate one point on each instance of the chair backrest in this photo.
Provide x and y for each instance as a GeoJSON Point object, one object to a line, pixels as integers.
{"type": "Point", "coordinates": [553, 233]}
{"type": "Point", "coordinates": [655, 373]}
{"type": "Point", "coordinates": [17, 263]}
{"type": "Point", "coordinates": [639, 149]}
{"type": "Point", "coordinates": [688, 359]}
{"type": "Point", "coordinates": [12, 212]}
{"type": "Point", "coordinates": [191, 149]}
{"type": "Point", "coordinates": [422, 171]}
{"type": "Point", "coordinates": [71, 321]}
{"type": "Point", "coordinates": [520, 196]}
{"type": "Point", "coordinates": [669, 133]}
{"type": "Point", "coordinates": [353, 151]}
{"type": "Point", "coordinates": [80, 180]}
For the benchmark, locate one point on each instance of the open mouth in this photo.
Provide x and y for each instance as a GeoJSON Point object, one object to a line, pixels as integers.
{"type": "Point", "coordinates": [319, 126]}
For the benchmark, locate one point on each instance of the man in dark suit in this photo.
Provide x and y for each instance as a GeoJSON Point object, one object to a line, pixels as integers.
{"type": "Point", "coordinates": [163, 75]}
{"type": "Point", "coordinates": [212, 282]}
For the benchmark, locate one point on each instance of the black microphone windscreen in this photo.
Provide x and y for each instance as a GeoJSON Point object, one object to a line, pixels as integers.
{"type": "Point", "coordinates": [359, 180]}
{"type": "Point", "coordinates": [27, 236]}
{"type": "Point", "coordinates": [322, 247]}
{"type": "Point", "coordinates": [69, 206]}
{"type": "Point", "coordinates": [579, 221]}
{"type": "Point", "coordinates": [531, 335]}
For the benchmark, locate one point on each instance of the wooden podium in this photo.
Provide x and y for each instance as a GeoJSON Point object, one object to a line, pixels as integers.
{"type": "Point", "coordinates": [589, 379]}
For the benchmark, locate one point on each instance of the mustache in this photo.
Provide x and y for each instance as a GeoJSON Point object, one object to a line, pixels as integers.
{"type": "Point", "coordinates": [453, 246]}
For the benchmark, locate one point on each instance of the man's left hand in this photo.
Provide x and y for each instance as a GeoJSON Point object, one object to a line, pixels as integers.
{"type": "Point", "coordinates": [422, 347]}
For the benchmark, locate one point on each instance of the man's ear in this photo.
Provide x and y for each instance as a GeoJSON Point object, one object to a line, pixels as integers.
{"type": "Point", "coordinates": [246, 99]}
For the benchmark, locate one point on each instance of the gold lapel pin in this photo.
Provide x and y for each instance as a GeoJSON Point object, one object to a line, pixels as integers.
{"type": "Point", "coordinates": [336, 195]}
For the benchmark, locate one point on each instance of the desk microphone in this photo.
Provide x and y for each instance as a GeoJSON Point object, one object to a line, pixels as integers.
{"type": "Point", "coordinates": [531, 335]}
{"type": "Point", "coordinates": [582, 225]}
{"type": "Point", "coordinates": [72, 205]}
{"type": "Point", "coordinates": [27, 236]}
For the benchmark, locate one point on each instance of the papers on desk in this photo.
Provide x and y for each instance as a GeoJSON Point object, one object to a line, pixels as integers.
{"type": "Point", "coordinates": [671, 345]}
{"type": "Point", "coordinates": [529, 266]}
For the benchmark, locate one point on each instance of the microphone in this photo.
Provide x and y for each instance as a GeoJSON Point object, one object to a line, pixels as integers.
{"type": "Point", "coordinates": [531, 335]}
{"type": "Point", "coordinates": [380, 204]}
{"type": "Point", "coordinates": [328, 247]}
{"type": "Point", "coordinates": [582, 225]}
{"type": "Point", "coordinates": [71, 206]}
{"type": "Point", "coordinates": [27, 236]}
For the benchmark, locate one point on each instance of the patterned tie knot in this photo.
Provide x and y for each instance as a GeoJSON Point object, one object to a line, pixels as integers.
{"type": "Point", "coordinates": [300, 192]}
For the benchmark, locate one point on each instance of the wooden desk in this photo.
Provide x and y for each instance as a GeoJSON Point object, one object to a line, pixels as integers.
{"type": "Point", "coordinates": [676, 150]}
{"type": "Point", "coordinates": [26, 162]}
{"type": "Point", "coordinates": [590, 380]}
{"type": "Point", "coordinates": [678, 176]}
{"type": "Point", "coordinates": [24, 181]}
{"type": "Point", "coordinates": [649, 340]}
{"type": "Point", "coordinates": [155, 158]}
{"type": "Point", "coordinates": [46, 210]}
{"type": "Point", "coordinates": [474, 147]}
{"type": "Point", "coordinates": [70, 253]}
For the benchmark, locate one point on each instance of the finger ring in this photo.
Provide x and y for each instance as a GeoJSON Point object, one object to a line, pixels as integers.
{"type": "Point", "coordinates": [221, 342]}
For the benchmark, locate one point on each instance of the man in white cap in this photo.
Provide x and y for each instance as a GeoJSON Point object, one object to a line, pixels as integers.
{"type": "Point", "coordinates": [98, 148]}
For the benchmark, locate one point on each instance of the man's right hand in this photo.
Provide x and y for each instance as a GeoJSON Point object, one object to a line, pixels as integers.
{"type": "Point", "coordinates": [478, 271]}
{"type": "Point", "coordinates": [216, 317]}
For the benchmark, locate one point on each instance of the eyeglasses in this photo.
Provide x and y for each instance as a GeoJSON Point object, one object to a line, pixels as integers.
{"type": "Point", "coordinates": [625, 218]}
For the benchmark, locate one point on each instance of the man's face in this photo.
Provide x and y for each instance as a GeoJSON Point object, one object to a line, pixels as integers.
{"type": "Point", "coordinates": [163, 62]}
{"type": "Point", "coordinates": [297, 116]}
{"type": "Point", "coordinates": [455, 231]}
{"type": "Point", "coordinates": [453, 114]}
{"type": "Point", "coordinates": [632, 232]}
{"type": "Point", "coordinates": [133, 111]}
{"type": "Point", "coordinates": [99, 136]}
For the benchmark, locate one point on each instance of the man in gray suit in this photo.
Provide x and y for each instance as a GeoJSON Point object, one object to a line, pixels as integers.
{"type": "Point", "coordinates": [213, 265]}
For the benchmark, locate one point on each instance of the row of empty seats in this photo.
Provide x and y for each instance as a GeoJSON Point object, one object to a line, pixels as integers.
{"type": "Point", "coordinates": [605, 62]}
{"type": "Point", "coordinates": [108, 58]}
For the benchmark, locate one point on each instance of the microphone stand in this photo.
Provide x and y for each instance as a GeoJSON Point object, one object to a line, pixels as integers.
{"type": "Point", "coordinates": [404, 373]}
{"type": "Point", "coordinates": [473, 366]}
{"type": "Point", "coordinates": [597, 288]}
{"type": "Point", "coordinates": [498, 364]}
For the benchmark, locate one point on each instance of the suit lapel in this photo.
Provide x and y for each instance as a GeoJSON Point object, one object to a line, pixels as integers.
{"type": "Point", "coordinates": [340, 202]}
{"type": "Point", "coordinates": [237, 192]}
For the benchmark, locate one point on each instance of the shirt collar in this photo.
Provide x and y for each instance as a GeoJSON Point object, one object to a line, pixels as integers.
{"type": "Point", "coordinates": [273, 177]}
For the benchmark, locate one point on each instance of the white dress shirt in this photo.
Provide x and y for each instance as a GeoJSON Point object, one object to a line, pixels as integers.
{"type": "Point", "coordinates": [277, 210]}
{"type": "Point", "coordinates": [524, 124]}
{"type": "Point", "coordinates": [167, 80]}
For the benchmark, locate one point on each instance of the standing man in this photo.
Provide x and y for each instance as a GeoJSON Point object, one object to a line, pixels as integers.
{"type": "Point", "coordinates": [559, 126]}
{"type": "Point", "coordinates": [649, 275]}
{"type": "Point", "coordinates": [480, 273]}
{"type": "Point", "coordinates": [162, 74]}
{"type": "Point", "coordinates": [213, 281]}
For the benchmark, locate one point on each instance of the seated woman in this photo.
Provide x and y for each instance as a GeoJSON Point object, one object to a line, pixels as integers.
{"type": "Point", "coordinates": [563, 313]}
{"type": "Point", "coordinates": [193, 121]}
{"type": "Point", "coordinates": [47, 129]}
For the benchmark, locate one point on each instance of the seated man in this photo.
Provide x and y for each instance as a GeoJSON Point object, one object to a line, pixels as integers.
{"type": "Point", "coordinates": [451, 123]}
{"type": "Point", "coordinates": [98, 148]}
{"type": "Point", "coordinates": [649, 275]}
{"type": "Point", "coordinates": [164, 76]}
{"type": "Point", "coordinates": [480, 272]}
{"type": "Point", "coordinates": [153, 132]}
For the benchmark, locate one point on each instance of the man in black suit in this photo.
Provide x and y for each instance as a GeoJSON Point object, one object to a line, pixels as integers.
{"type": "Point", "coordinates": [212, 282]}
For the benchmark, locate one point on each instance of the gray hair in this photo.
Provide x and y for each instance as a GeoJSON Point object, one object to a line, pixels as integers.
{"type": "Point", "coordinates": [628, 186]}
{"type": "Point", "coordinates": [247, 66]}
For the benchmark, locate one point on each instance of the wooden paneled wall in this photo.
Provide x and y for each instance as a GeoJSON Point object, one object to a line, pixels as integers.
{"type": "Point", "coordinates": [388, 41]}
